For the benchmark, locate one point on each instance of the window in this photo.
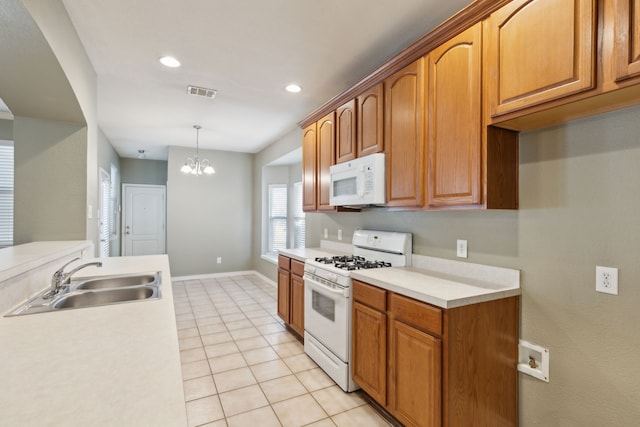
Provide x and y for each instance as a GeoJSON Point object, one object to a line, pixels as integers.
{"type": "Point", "coordinates": [6, 193]}
{"type": "Point", "coordinates": [106, 217]}
{"type": "Point", "coordinates": [298, 216]}
{"type": "Point", "coordinates": [277, 235]}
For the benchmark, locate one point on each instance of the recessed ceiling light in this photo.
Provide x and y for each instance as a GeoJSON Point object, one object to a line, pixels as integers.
{"type": "Point", "coordinates": [293, 88]}
{"type": "Point", "coordinates": [170, 61]}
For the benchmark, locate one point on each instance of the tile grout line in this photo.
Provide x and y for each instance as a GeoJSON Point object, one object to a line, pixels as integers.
{"type": "Point", "coordinates": [236, 294]}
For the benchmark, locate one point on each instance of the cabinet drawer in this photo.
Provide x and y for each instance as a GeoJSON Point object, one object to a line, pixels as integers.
{"type": "Point", "coordinates": [297, 267]}
{"type": "Point", "coordinates": [416, 313]}
{"type": "Point", "coordinates": [284, 262]}
{"type": "Point", "coordinates": [370, 295]}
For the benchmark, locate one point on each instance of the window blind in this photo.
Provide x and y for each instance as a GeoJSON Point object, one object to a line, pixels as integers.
{"type": "Point", "coordinates": [6, 193]}
{"type": "Point", "coordinates": [106, 214]}
{"type": "Point", "coordinates": [277, 217]}
{"type": "Point", "coordinates": [298, 216]}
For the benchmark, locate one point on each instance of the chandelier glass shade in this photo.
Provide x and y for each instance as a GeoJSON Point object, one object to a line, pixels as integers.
{"type": "Point", "coordinates": [194, 165]}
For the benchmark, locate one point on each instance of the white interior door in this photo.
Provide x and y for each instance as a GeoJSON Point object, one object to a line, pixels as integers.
{"type": "Point", "coordinates": [143, 225]}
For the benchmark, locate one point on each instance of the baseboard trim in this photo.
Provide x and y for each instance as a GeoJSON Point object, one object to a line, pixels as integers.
{"type": "Point", "coordinates": [226, 274]}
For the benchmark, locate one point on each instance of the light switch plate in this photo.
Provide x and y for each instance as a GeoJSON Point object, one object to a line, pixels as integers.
{"type": "Point", "coordinates": [461, 248]}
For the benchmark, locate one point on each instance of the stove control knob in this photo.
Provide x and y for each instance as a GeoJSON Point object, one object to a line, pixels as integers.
{"type": "Point", "coordinates": [333, 277]}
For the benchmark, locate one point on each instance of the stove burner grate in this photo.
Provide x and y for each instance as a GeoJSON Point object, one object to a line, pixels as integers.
{"type": "Point", "coordinates": [352, 262]}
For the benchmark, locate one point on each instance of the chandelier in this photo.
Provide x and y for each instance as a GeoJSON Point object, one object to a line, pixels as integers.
{"type": "Point", "coordinates": [195, 166]}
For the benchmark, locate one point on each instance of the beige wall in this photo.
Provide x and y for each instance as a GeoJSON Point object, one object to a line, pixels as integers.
{"type": "Point", "coordinates": [279, 148]}
{"type": "Point", "coordinates": [579, 207]}
{"type": "Point", "coordinates": [147, 172]}
{"type": "Point", "coordinates": [209, 216]}
{"type": "Point", "coordinates": [56, 26]}
{"type": "Point", "coordinates": [50, 180]}
{"type": "Point", "coordinates": [49, 77]}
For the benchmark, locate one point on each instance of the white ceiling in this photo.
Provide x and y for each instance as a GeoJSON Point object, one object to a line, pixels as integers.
{"type": "Point", "coordinates": [247, 50]}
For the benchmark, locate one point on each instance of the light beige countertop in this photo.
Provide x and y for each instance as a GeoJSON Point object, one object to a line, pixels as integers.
{"type": "Point", "coordinates": [19, 259]}
{"type": "Point", "coordinates": [116, 365]}
{"type": "Point", "coordinates": [442, 290]}
{"type": "Point", "coordinates": [441, 282]}
{"type": "Point", "coordinates": [302, 254]}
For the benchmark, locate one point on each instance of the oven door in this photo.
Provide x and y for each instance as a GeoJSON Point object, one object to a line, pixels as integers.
{"type": "Point", "coordinates": [327, 316]}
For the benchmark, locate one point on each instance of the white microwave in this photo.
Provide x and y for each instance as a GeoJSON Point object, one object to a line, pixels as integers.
{"type": "Point", "coordinates": [358, 182]}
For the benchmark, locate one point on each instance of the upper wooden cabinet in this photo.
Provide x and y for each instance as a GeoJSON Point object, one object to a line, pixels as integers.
{"type": "Point", "coordinates": [346, 132]}
{"type": "Point", "coordinates": [540, 50]}
{"type": "Point", "coordinates": [360, 124]}
{"type": "Point", "coordinates": [318, 154]}
{"type": "Point", "coordinates": [309, 168]}
{"type": "Point", "coordinates": [370, 137]}
{"type": "Point", "coordinates": [454, 142]}
{"type": "Point", "coordinates": [627, 38]}
{"type": "Point", "coordinates": [404, 135]}
{"type": "Point", "coordinates": [326, 158]}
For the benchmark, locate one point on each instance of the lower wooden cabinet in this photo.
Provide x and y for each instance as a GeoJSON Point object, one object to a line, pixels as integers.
{"type": "Point", "coordinates": [415, 370]}
{"type": "Point", "coordinates": [369, 351]}
{"type": "Point", "coordinates": [284, 294]}
{"type": "Point", "coordinates": [296, 317]}
{"type": "Point", "coordinates": [291, 293]}
{"type": "Point", "coordinates": [430, 366]}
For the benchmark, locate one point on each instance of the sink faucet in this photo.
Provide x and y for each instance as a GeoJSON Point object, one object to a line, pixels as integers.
{"type": "Point", "coordinates": [60, 278]}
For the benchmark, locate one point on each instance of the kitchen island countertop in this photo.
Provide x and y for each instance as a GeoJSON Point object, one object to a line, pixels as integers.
{"type": "Point", "coordinates": [99, 366]}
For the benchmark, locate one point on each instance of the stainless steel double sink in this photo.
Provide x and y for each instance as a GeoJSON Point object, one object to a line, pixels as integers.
{"type": "Point", "coordinates": [96, 291]}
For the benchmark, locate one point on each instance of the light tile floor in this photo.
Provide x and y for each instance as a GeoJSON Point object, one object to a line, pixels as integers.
{"type": "Point", "coordinates": [241, 367]}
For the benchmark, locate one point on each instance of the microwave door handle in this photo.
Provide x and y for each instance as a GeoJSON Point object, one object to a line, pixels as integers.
{"type": "Point", "coordinates": [360, 181]}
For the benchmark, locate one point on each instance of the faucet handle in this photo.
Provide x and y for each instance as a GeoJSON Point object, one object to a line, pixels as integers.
{"type": "Point", "coordinates": [61, 269]}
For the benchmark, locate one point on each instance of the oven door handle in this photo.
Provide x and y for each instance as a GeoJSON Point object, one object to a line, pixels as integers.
{"type": "Point", "coordinates": [344, 292]}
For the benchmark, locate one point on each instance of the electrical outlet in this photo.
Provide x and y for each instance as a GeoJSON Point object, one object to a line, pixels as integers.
{"type": "Point", "coordinates": [326, 233]}
{"type": "Point", "coordinates": [219, 260]}
{"type": "Point", "coordinates": [339, 234]}
{"type": "Point", "coordinates": [607, 280]}
{"type": "Point", "coordinates": [461, 248]}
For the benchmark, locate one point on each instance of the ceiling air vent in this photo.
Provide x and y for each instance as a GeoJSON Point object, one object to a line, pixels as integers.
{"type": "Point", "coordinates": [201, 91]}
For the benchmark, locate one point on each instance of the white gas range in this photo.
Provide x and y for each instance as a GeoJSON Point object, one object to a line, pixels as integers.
{"type": "Point", "coordinates": [327, 298]}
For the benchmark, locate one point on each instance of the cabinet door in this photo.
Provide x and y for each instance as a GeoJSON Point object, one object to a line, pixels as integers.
{"type": "Point", "coordinates": [369, 351]}
{"type": "Point", "coordinates": [326, 147]}
{"type": "Point", "coordinates": [627, 42]}
{"type": "Point", "coordinates": [540, 50]}
{"type": "Point", "coordinates": [297, 304]}
{"type": "Point", "coordinates": [346, 132]}
{"type": "Point", "coordinates": [371, 121]}
{"type": "Point", "coordinates": [404, 135]}
{"type": "Point", "coordinates": [415, 383]}
{"type": "Point", "coordinates": [454, 142]}
{"type": "Point", "coordinates": [284, 292]}
{"type": "Point", "coordinates": [309, 168]}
